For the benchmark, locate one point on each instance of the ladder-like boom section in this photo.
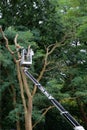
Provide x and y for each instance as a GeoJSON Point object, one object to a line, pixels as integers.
{"type": "Point", "coordinates": [63, 112]}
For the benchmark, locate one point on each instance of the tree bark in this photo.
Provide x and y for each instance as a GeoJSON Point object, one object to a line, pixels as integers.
{"type": "Point", "coordinates": [29, 102]}
{"type": "Point", "coordinates": [24, 87]}
{"type": "Point", "coordinates": [14, 105]}
{"type": "Point", "coordinates": [18, 123]}
{"type": "Point", "coordinates": [22, 94]}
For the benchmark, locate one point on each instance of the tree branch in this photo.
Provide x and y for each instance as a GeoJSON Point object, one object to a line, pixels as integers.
{"type": "Point", "coordinates": [42, 72]}
{"type": "Point", "coordinates": [47, 109]}
{"type": "Point", "coordinates": [17, 46]}
{"type": "Point", "coordinates": [46, 62]}
{"type": "Point", "coordinates": [21, 86]}
{"type": "Point", "coordinates": [6, 40]}
{"type": "Point", "coordinates": [25, 84]}
{"type": "Point", "coordinates": [22, 73]}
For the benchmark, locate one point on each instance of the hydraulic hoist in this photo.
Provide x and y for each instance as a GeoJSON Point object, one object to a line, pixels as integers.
{"type": "Point", "coordinates": [26, 60]}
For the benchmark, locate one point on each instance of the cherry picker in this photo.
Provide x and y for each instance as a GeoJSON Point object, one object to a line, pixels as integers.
{"type": "Point", "coordinates": [26, 60]}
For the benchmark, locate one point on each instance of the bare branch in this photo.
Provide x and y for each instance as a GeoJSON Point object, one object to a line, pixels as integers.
{"type": "Point", "coordinates": [15, 41]}
{"type": "Point", "coordinates": [47, 109]}
{"type": "Point", "coordinates": [51, 68]}
{"type": "Point", "coordinates": [41, 73]}
{"type": "Point", "coordinates": [6, 40]}
{"type": "Point", "coordinates": [26, 86]}
{"type": "Point", "coordinates": [17, 46]}
{"type": "Point", "coordinates": [21, 86]}
{"type": "Point", "coordinates": [58, 44]}
{"type": "Point", "coordinates": [53, 48]}
{"type": "Point", "coordinates": [46, 63]}
{"type": "Point", "coordinates": [22, 73]}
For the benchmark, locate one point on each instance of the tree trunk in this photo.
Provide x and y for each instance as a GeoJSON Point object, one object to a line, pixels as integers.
{"type": "Point", "coordinates": [24, 87]}
{"type": "Point", "coordinates": [28, 116]}
{"type": "Point", "coordinates": [18, 125]}
{"type": "Point", "coordinates": [14, 104]}
{"type": "Point", "coordinates": [30, 113]}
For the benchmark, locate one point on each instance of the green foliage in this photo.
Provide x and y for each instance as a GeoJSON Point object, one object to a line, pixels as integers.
{"type": "Point", "coordinates": [37, 114]}
{"type": "Point", "coordinates": [82, 32]}
{"type": "Point", "coordinates": [75, 75]}
{"type": "Point", "coordinates": [5, 58]}
{"type": "Point", "coordinates": [8, 77]}
{"type": "Point", "coordinates": [40, 24]}
{"type": "Point", "coordinates": [24, 37]}
{"type": "Point", "coordinates": [13, 117]}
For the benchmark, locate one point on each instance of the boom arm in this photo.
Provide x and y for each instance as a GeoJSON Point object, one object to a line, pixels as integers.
{"type": "Point", "coordinates": [26, 60]}
{"type": "Point", "coordinates": [63, 112]}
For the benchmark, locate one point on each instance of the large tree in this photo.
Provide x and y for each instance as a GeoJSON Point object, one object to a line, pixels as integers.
{"type": "Point", "coordinates": [52, 23]}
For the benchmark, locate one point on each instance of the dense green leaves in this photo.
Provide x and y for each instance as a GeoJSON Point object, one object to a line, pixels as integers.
{"type": "Point", "coordinates": [39, 24]}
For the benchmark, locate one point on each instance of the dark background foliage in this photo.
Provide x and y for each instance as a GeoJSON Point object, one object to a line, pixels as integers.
{"type": "Point", "coordinates": [41, 23]}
